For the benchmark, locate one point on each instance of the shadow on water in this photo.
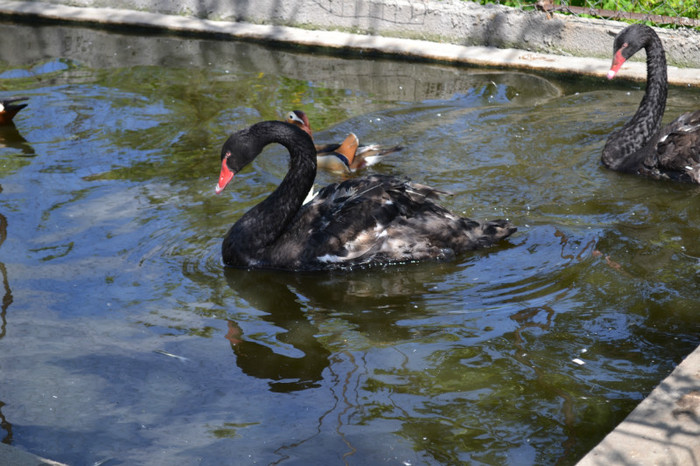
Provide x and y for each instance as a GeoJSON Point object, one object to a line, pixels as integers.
{"type": "Point", "coordinates": [11, 138]}
{"type": "Point", "coordinates": [268, 293]}
{"type": "Point", "coordinates": [371, 302]}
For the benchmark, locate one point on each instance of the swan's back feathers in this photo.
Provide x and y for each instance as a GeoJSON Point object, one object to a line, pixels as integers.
{"type": "Point", "coordinates": [678, 149]}
{"type": "Point", "coordinates": [380, 219]}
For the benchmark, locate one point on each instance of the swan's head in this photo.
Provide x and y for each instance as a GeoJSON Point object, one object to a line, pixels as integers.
{"type": "Point", "coordinates": [243, 146]}
{"type": "Point", "coordinates": [628, 42]}
{"type": "Point", "coordinates": [299, 118]}
{"type": "Point", "coordinates": [239, 150]}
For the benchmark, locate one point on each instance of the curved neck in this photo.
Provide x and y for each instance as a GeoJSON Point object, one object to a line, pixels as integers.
{"type": "Point", "coordinates": [628, 146]}
{"type": "Point", "coordinates": [263, 224]}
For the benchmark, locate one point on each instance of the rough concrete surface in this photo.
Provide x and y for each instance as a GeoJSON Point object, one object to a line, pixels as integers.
{"type": "Point", "coordinates": [10, 456]}
{"type": "Point", "coordinates": [449, 21]}
{"type": "Point", "coordinates": [462, 32]}
{"type": "Point", "coordinates": [664, 429]}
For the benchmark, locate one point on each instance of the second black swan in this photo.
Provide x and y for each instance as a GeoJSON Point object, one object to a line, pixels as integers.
{"type": "Point", "coordinates": [362, 222]}
{"type": "Point", "coordinates": [641, 146]}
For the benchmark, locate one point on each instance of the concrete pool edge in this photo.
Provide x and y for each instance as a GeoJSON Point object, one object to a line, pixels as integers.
{"type": "Point", "coordinates": [663, 429]}
{"type": "Point", "coordinates": [335, 40]}
{"type": "Point", "coordinates": [665, 410]}
{"type": "Point", "coordinates": [10, 455]}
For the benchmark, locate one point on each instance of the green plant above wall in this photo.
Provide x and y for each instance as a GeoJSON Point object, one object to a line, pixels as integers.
{"type": "Point", "coordinates": [667, 13]}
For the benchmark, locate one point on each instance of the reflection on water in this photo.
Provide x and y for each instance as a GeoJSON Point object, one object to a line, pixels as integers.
{"type": "Point", "coordinates": [129, 337]}
{"type": "Point", "coordinates": [7, 295]}
{"type": "Point", "coordinates": [6, 301]}
{"type": "Point", "coordinates": [11, 138]}
{"type": "Point", "coordinates": [303, 368]}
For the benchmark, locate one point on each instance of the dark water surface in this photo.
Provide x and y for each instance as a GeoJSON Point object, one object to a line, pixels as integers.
{"type": "Point", "coordinates": [124, 340]}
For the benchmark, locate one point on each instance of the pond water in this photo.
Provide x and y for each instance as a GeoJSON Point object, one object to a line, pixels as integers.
{"type": "Point", "coordinates": [125, 341]}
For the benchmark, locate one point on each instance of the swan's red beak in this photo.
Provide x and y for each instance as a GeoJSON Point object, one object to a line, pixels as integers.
{"type": "Point", "coordinates": [617, 63]}
{"type": "Point", "coordinates": [225, 176]}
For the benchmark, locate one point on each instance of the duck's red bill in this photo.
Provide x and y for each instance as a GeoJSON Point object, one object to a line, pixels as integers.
{"type": "Point", "coordinates": [225, 176]}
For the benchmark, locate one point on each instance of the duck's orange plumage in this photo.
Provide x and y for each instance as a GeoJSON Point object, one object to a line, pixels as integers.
{"type": "Point", "coordinates": [349, 155]}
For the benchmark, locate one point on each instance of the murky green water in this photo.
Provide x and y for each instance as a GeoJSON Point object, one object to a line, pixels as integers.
{"type": "Point", "coordinates": [109, 253]}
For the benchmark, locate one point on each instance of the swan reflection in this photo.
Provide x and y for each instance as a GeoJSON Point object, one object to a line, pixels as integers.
{"type": "Point", "coordinates": [370, 303]}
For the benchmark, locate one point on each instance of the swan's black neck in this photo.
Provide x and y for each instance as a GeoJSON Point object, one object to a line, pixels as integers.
{"type": "Point", "coordinates": [263, 224]}
{"type": "Point", "coordinates": [626, 148]}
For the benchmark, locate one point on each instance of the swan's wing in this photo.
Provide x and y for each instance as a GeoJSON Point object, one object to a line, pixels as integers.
{"type": "Point", "coordinates": [384, 219]}
{"type": "Point", "coordinates": [678, 149]}
{"type": "Point", "coordinates": [378, 219]}
{"type": "Point", "coordinates": [310, 196]}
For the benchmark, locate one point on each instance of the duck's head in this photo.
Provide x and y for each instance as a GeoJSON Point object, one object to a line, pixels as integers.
{"type": "Point", "coordinates": [299, 118]}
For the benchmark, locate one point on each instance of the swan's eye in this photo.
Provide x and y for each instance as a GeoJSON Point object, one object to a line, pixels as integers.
{"type": "Point", "coordinates": [227, 155]}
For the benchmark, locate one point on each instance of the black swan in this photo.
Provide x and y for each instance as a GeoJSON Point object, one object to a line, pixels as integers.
{"type": "Point", "coordinates": [9, 108]}
{"type": "Point", "coordinates": [348, 156]}
{"type": "Point", "coordinates": [360, 222]}
{"type": "Point", "coordinates": [641, 146]}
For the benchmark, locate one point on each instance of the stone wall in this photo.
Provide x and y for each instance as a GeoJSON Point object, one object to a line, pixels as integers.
{"type": "Point", "coordinates": [446, 21]}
